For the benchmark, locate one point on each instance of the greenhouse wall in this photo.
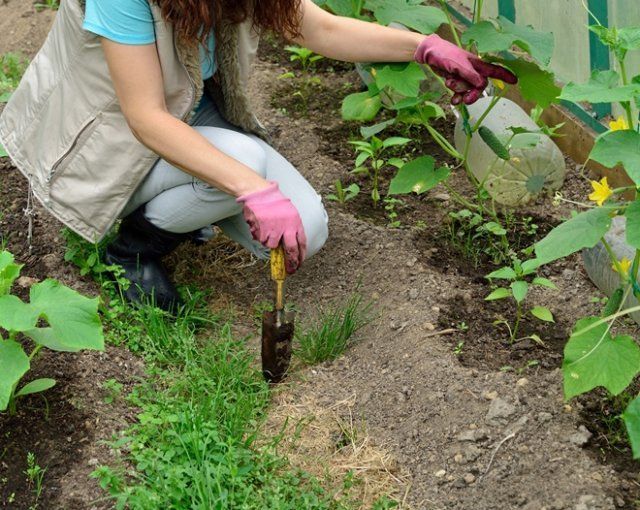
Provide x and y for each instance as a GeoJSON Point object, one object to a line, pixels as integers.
{"type": "Point", "coordinates": [577, 52]}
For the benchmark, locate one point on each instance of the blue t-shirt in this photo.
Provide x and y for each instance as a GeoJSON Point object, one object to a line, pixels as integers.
{"type": "Point", "coordinates": [131, 22]}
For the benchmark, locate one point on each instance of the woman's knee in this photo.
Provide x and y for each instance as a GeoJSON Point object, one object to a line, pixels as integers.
{"type": "Point", "coordinates": [316, 225]}
{"type": "Point", "coordinates": [238, 146]}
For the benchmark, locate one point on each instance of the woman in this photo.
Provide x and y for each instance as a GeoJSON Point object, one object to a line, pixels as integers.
{"type": "Point", "coordinates": [137, 109]}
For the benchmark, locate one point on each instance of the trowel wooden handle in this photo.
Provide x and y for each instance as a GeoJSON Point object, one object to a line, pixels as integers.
{"type": "Point", "coordinates": [278, 274]}
{"type": "Point", "coordinates": [278, 271]}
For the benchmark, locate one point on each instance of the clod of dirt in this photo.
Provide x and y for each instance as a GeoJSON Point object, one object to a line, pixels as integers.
{"type": "Point", "coordinates": [581, 437]}
{"type": "Point", "coordinates": [499, 411]}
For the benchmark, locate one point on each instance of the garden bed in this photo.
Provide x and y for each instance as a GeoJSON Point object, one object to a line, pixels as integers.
{"type": "Point", "coordinates": [469, 420]}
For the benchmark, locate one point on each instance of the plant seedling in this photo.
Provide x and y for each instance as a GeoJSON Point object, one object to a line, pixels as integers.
{"type": "Point", "coordinates": [370, 159]}
{"type": "Point", "coordinates": [307, 59]}
{"type": "Point", "coordinates": [518, 274]}
{"type": "Point", "coordinates": [72, 324]}
{"type": "Point", "coordinates": [343, 194]}
{"type": "Point", "coordinates": [113, 390]}
{"type": "Point", "coordinates": [35, 475]}
{"type": "Point", "coordinates": [390, 204]}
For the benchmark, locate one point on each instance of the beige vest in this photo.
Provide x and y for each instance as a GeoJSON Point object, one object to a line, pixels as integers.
{"type": "Point", "coordinates": [64, 129]}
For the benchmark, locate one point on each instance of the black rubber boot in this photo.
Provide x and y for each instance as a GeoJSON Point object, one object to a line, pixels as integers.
{"type": "Point", "coordinates": [139, 248]}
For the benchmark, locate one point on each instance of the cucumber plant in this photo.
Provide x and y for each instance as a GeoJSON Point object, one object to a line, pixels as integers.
{"type": "Point", "coordinates": [595, 356]}
{"type": "Point", "coordinates": [410, 94]}
{"type": "Point", "coordinates": [57, 318]}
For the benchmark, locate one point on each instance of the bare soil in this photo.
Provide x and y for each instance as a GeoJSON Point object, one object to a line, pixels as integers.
{"type": "Point", "coordinates": [465, 431]}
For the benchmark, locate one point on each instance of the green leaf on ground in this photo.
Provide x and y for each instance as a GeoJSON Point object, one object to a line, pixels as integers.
{"type": "Point", "coordinates": [631, 417]}
{"type": "Point", "coordinates": [504, 273]}
{"type": "Point", "coordinates": [603, 87]}
{"type": "Point", "coordinates": [36, 386]}
{"type": "Point", "coordinates": [3, 153]}
{"type": "Point", "coordinates": [403, 78]}
{"type": "Point", "coordinates": [582, 231]}
{"type": "Point", "coordinates": [542, 313]}
{"type": "Point", "coordinates": [9, 271]}
{"type": "Point", "coordinates": [369, 131]}
{"type": "Point", "coordinates": [594, 358]}
{"type": "Point", "coordinates": [500, 293]}
{"type": "Point", "coordinates": [619, 148]}
{"type": "Point", "coordinates": [363, 106]}
{"type": "Point", "coordinates": [500, 35]}
{"type": "Point", "coordinates": [73, 318]}
{"type": "Point", "coordinates": [14, 363]}
{"type": "Point", "coordinates": [520, 290]}
{"type": "Point", "coordinates": [425, 20]}
{"type": "Point", "coordinates": [544, 282]}
{"type": "Point", "coordinates": [418, 176]}
{"type": "Point", "coordinates": [632, 215]}
{"type": "Point", "coordinates": [16, 315]}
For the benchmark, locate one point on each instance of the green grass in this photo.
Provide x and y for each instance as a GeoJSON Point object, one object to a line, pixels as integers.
{"type": "Point", "coordinates": [12, 67]}
{"type": "Point", "coordinates": [197, 443]}
{"type": "Point", "coordinates": [331, 333]}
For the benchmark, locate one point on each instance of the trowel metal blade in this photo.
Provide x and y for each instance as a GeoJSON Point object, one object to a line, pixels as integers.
{"type": "Point", "coordinates": [276, 345]}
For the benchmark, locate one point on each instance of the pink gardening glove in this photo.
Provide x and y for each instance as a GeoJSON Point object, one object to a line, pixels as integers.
{"type": "Point", "coordinates": [273, 220]}
{"type": "Point", "coordinates": [465, 74]}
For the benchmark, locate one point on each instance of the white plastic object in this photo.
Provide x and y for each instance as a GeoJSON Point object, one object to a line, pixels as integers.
{"type": "Point", "coordinates": [531, 171]}
{"type": "Point", "coordinates": [599, 266]}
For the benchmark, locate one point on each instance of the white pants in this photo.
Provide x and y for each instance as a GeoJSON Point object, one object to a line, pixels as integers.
{"type": "Point", "coordinates": [178, 202]}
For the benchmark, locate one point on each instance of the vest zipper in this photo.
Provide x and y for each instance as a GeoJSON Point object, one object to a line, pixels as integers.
{"type": "Point", "coordinates": [84, 131]}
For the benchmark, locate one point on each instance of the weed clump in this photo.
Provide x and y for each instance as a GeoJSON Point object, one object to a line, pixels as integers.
{"type": "Point", "coordinates": [330, 334]}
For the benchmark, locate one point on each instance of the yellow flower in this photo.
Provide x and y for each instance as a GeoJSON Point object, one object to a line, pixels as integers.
{"type": "Point", "coordinates": [625, 265]}
{"type": "Point", "coordinates": [618, 125]}
{"type": "Point", "coordinates": [601, 191]}
{"type": "Point", "coordinates": [498, 83]}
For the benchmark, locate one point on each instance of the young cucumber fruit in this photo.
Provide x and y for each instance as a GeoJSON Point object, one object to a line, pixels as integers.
{"type": "Point", "coordinates": [494, 143]}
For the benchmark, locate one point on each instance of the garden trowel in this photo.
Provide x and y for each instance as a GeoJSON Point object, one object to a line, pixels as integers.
{"type": "Point", "coordinates": [277, 326]}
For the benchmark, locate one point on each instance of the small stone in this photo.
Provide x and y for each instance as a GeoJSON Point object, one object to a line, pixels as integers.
{"type": "Point", "coordinates": [429, 326]}
{"type": "Point", "coordinates": [413, 293]}
{"type": "Point", "coordinates": [500, 410]}
{"type": "Point", "coordinates": [472, 435]}
{"type": "Point", "coordinates": [440, 474]}
{"type": "Point", "coordinates": [443, 197]}
{"type": "Point", "coordinates": [93, 462]}
{"type": "Point", "coordinates": [458, 458]}
{"type": "Point", "coordinates": [544, 417]}
{"type": "Point", "coordinates": [490, 395]}
{"type": "Point", "coordinates": [522, 382]}
{"type": "Point", "coordinates": [581, 437]}
{"type": "Point", "coordinates": [469, 478]}
{"type": "Point", "coordinates": [567, 408]}
{"type": "Point", "coordinates": [435, 309]}
{"type": "Point", "coordinates": [597, 477]}
{"type": "Point", "coordinates": [25, 281]}
{"type": "Point", "coordinates": [375, 296]}
{"type": "Point", "coordinates": [472, 453]}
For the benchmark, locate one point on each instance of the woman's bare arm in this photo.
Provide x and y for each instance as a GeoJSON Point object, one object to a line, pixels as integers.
{"type": "Point", "coordinates": [353, 40]}
{"type": "Point", "coordinates": [137, 78]}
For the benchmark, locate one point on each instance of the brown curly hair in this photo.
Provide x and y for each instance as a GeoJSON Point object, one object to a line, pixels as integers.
{"type": "Point", "coordinates": [194, 19]}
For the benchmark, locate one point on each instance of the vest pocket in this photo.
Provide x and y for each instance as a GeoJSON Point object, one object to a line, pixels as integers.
{"type": "Point", "coordinates": [85, 132]}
